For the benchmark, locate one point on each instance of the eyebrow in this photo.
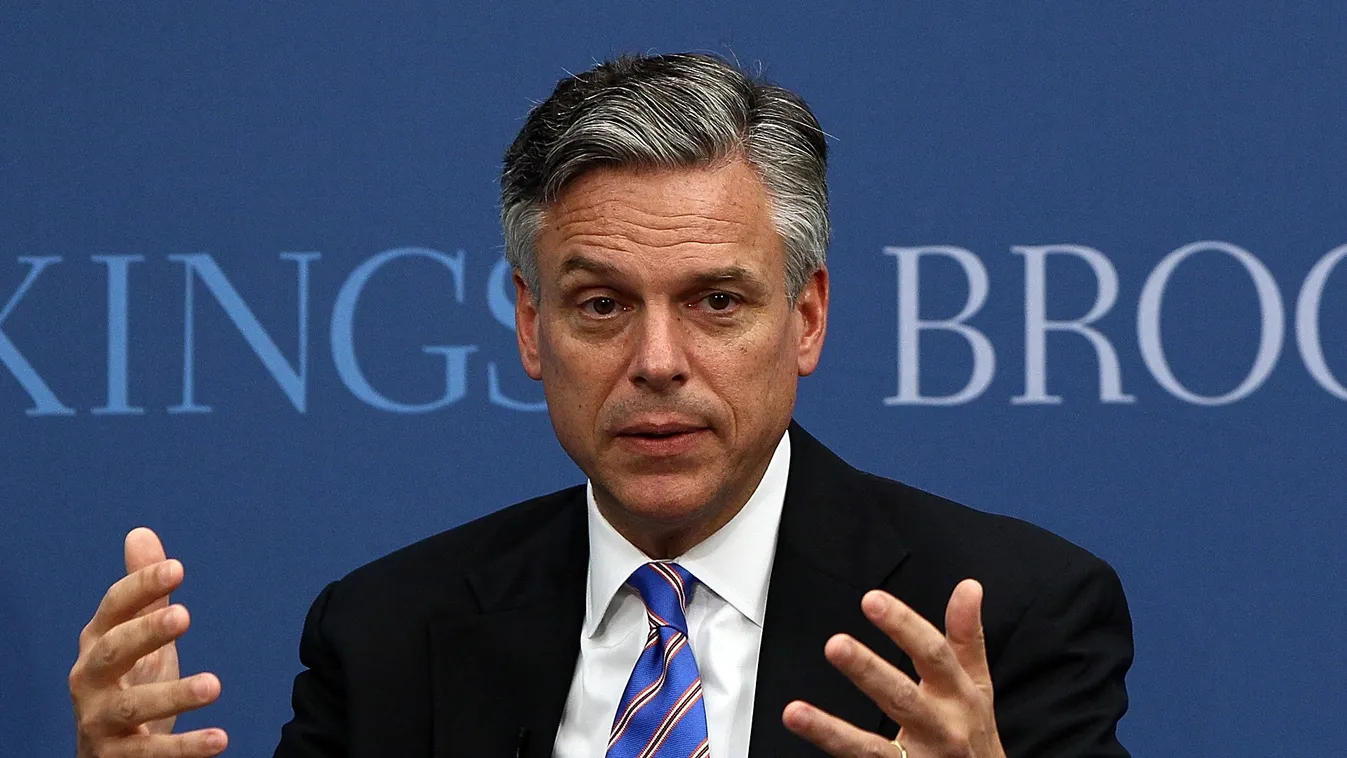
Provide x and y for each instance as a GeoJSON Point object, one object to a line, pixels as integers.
{"type": "Point", "coordinates": [722, 274]}
{"type": "Point", "coordinates": [736, 274]}
{"type": "Point", "coordinates": [576, 263]}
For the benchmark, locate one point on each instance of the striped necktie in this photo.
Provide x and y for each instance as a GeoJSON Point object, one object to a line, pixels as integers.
{"type": "Point", "coordinates": [661, 714]}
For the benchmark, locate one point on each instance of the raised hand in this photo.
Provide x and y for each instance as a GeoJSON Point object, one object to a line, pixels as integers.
{"type": "Point", "coordinates": [948, 714]}
{"type": "Point", "coordinates": [124, 684]}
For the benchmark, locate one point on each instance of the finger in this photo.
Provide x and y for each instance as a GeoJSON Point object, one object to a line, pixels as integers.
{"type": "Point", "coordinates": [930, 652]}
{"type": "Point", "coordinates": [202, 743]}
{"type": "Point", "coordinates": [833, 735]}
{"type": "Point", "coordinates": [137, 705]}
{"type": "Point", "coordinates": [143, 548]}
{"type": "Point", "coordinates": [963, 629]}
{"type": "Point", "coordinates": [893, 691]}
{"type": "Point", "coordinates": [117, 651]}
{"type": "Point", "coordinates": [135, 593]}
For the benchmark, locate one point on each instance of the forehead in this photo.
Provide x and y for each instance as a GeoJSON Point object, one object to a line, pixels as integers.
{"type": "Point", "coordinates": [714, 214]}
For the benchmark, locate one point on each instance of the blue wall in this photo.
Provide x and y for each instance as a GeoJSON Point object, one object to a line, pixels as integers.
{"type": "Point", "coordinates": [194, 148]}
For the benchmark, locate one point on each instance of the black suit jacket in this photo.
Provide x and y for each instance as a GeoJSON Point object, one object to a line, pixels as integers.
{"type": "Point", "coordinates": [464, 644]}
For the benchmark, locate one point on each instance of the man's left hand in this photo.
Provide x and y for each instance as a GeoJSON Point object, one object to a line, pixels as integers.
{"type": "Point", "coordinates": [948, 715]}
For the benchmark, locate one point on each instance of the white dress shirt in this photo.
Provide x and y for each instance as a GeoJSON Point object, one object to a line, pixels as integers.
{"type": "Point", "coordinates": [724, 618]}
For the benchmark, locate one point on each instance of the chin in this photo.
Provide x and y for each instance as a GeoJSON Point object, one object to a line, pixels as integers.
{"type": "Point", "coordinates": [663, 499]}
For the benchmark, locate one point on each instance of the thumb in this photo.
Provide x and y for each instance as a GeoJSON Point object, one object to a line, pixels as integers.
{"type": "Point", "coordinates": [963, 628]}
{"type": "Point", "coordinates": [142, 549]}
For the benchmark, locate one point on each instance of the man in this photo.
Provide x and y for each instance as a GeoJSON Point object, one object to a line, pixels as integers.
{"type": "Point", "coordinates": [666, 217]}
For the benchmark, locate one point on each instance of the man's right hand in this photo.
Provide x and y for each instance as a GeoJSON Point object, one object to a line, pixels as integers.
{"type": "Point", "coordinates": [125, 684]}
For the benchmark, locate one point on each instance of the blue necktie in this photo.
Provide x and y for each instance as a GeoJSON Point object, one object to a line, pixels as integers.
{"type": "Point", "coordinates": [661, 714]}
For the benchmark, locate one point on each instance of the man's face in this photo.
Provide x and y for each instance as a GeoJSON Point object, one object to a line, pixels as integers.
{"type": "Point", "coordinates": [667, 346]}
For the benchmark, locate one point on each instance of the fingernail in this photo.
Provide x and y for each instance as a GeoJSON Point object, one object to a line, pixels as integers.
{"type": "Point", "coordinates": [172, 618]}
{"type": "Point", "coordinates": [215, 740]}
{"type": "Point", "coordinates": [201, 688]}
{"type": "Point", "coordinates": [841, 647]}
{"type": "Point", "coordinates": [872, 604]}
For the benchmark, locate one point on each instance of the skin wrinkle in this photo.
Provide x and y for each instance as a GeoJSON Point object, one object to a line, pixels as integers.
{"type": "Point", "coordinates": [659, 244]}
{"type": "Point", "coordinates": [628, 244]}
{"type": "Point", "coordinates": [601, 215]}
{"type": "Point", "coordinates": [588, 212]}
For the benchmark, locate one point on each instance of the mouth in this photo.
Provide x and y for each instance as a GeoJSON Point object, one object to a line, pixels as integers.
{"type": "Point", "coordinates": [661, 439]}
{"type": "Point", "coordinates": [658, 430]}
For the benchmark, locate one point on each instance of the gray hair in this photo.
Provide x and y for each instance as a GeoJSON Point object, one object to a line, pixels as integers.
{"type": "Point", "coordinates": [670, 111]}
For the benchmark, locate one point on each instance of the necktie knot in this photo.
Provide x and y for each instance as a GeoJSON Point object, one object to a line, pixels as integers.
{"type": "Point", "coordinates": [665, 588]}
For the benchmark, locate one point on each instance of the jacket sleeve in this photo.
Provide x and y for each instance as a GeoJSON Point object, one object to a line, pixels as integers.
{"type": "Point", "coordinates": [1060, 687]}
{"type": "Point", "coordinates": [318, 728]}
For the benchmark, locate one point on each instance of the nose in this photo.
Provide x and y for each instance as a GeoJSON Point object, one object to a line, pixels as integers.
{"type": "Point", "coordinates": [660, 362]}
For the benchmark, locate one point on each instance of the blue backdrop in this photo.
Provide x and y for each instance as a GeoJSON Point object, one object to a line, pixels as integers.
{"type": "Point", "coordinates": [228, 234]}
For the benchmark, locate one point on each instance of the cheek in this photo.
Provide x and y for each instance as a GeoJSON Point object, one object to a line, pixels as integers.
{"type": "Point", "coordinates": [577, 375]}
{"type": "Point", "coordinates": [753, 372]}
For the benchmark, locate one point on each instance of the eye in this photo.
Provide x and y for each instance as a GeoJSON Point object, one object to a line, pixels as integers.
{"type": "Point", "coordinates": [600, 306]}
{"type": "Point", "coordinates": [719, 302]}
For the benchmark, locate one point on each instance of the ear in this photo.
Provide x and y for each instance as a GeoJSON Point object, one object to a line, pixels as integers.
{"type": "Point", "coordinates": [812, 307]}
{"type": "Point", "coordinates": [526, 328]}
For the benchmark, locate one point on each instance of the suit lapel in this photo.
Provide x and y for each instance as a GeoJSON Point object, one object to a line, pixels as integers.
{"type": "Point", "coordinates": [833, 546]}
{"type": "Point", "coordinates": [501, 677]}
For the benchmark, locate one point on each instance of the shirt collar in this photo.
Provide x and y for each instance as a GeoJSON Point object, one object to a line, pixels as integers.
{"type": "Point", "coordinates": [735, 563]}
